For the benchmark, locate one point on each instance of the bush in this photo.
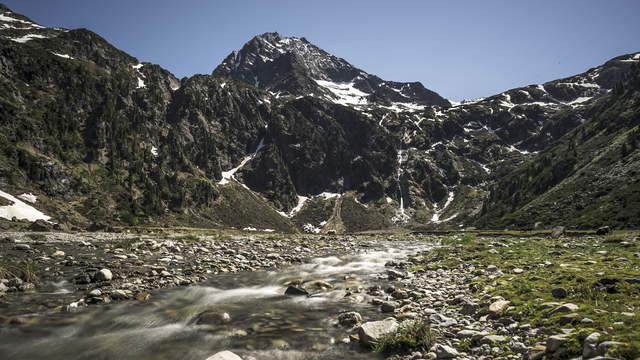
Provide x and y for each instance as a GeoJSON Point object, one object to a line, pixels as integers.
{"type": "Point", "coordinates": [411, 335]}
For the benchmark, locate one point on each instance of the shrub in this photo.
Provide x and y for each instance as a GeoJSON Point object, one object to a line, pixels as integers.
{"type": "Point", "coordinates": [410, 335]}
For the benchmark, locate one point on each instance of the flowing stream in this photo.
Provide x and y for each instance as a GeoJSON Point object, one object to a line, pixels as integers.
{"type": "Point", "coordinates": [264, 323]}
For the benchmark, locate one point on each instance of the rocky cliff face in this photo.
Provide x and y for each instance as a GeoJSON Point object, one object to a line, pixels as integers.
{"type": "Point", "coordinates": [284, 136]}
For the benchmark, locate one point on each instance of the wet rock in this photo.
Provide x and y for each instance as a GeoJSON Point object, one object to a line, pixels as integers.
{"type": "Point", "coordinates": [58, 253]}
{"type": "Point", "coordinates": [23, 247]}
{"type": "Point", "coordinates": [349, 319]}
{"type": "Point", "coordinates": [40, 225]}
{"type": "Point", "coordinates": [559, 293]}
{"type": "Point", "coordinates": [25, 287]}
{"type": "Point", "coordinates": [590, 346]}
{"type": "Point", "coordinates": [445, 352]}
{"type": "Point", "coordinates": [212, 318]}
{"type": "Point", "coordinates": [492, 268]}
{"type": "Point", "coordinates": [120, 295]}
{"type": "Point", "coordinates": [296, 291]}
{"type": "Point", "coordinates": [604, 230]}
{"type": "Point", "coordinates": [395, 274]}
{"type": "Point", "coordinates": [224, 355]}
{"type": "Point", "coordinates": [466, 334]}
{"type": "Point", "coordinates": [3, 287]}
{"type": "Point", "coordinates": [15, 282]}
{"type": "Point", "coordinates": [103, 275]}
{"type": "Point", "coordinates": [317, 285]}
{"type": "Point", "coordinates": [370, 332]}
{"type": "Point", "coordinates": [82, 279]}
{"type": "Point", "coordinates": [388, 307]}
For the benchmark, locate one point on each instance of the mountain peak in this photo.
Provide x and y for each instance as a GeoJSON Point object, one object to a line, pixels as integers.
{"type": "Point", "coordinates": [294, 66]}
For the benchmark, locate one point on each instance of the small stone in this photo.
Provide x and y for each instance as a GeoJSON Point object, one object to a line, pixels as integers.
{"type": "Point", "coordinates": [559, 293]}
{"type": "Point", "coordinates": [568, 319]}
{"type": "Point", "coordinates": [558, 232]}
{"type": "Point", "coordinates": [213, 318]}
{"type": "Point", "coordinates": [494, 339]}
{"type": "Point", "coordinates": [518, 271]}
{"type": "Point", "coordinates": [58, 253]}
{"type": "Point", "coordinates": [23, 247]}
{"type": "Point", "coordinates": [103, 275]}
{"type": "Point", "coordinates": [554, 342]}
{"type": "Point", "coordinates": [590, 346]}
{"type": "Point", "coordinates": [497, 307]}
{"type": "Point", "coordinates": [349, 319]}
{"type": "Point", "coordinates": [604, 347]}
{"type": "Point", "coordinates": [492, 268]}
{"type": "Point", "coordinates": [446, 352]}
{"type": "Point", "coordinates": [388, 307]}
{"type": "Point", "coordinates": [95, 292]}
{"type": "Point", "coordinates": [568, 307]}
{"type": "Point", "coordinates": [469, 308]}
{"type": "Point", "coordinates": [119, 295]}
{"type": "Point", "coordinates": [466, 334]}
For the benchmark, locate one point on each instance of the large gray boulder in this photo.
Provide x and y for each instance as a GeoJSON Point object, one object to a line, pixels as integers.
{"type": "Point", "coordinates": [371, 332]}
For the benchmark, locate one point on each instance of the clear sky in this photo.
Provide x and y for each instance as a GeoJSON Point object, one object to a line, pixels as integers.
{"type": "Point", "coordinates": [461, 49]}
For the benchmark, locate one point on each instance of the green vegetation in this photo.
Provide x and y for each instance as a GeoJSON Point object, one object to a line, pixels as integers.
{"type": "Point", "coordinates": [24, 270]}
{"type": "Point", "coordinates": [126, 243]}
{"type": "Point", "coordinates": [599, 274]}
{"type": "Point", "coordinates": [411, 335]}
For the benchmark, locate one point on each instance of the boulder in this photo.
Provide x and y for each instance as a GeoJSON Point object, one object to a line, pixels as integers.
{"type": "Point", "coordinates": [497, 307]}
{"type": "Point", "coordinates": [103, 275]}
{"type": "Point", "coordinates": [40, 225]}
{"type": "Point", "coordinates": [559, 293]}
{"type": "Point", "coordinates": [604, 230]}
{"type": "Point", "coordinates": [349, 319]}
{"type": "Point", "coordinates": [590, 346]}
{"type": "Point", "coordinates": [296, 291]}
{"type": "Point", "coordinates": [370, 332]}
{"type": "Point", "coordinates": [446, 352]}
{"type": "Point", "coordinates": [224, 355]}
{"type": "Point", "coordinates": [212, 318]}
{"type": "Point", "coordinates": [554, 342]}
{"type": "Point", "coordinates": [564, 308]}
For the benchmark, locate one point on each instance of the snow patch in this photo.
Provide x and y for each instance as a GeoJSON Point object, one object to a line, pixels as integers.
{"type": "Point", "coordinates": [154, 151]}
{"type": "Point", "coordinates": [20, 210]}
{"type": "Point", "coordinates": [436, 215]}
{"type": "Point", "coordinates": [345, 93]}
{"type": "Point", "coordinates": [64, 56]}
{"type": "Point", "coordinates": [301, 201]}
{"type": "Point", "coordinates": [29, 197]}
{"type": "Point", "coordinates": [141, 83]}
{"type": "Point", "coordinates": [228, 175]}
{"type": "Point", "coordinates": [28, 37]}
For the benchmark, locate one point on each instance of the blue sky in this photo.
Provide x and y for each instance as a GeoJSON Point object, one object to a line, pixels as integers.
{"type": "Point", "coordinates": [461, 49]}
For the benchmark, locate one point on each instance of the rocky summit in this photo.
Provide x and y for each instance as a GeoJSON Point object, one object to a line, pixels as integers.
{"type": "Point", "coordinates": [285, 136]}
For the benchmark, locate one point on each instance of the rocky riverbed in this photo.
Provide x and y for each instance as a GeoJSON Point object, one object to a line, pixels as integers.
{"type": "Point", "coordinates": [454, 297]}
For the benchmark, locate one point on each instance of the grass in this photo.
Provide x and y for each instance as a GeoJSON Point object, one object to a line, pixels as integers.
{"type": "Point", "coordinates": [37, 237]}
{"type": "Point", "coordinates": [599, 289]}
{"type": "Point", "coordinates": [126, 243]}
{"type": "Point", "coordinates": [411, 335]}
{"type": "Point", "coordinates": [187, 238]}
{"type": "Point", "coordinates": [26, 271]}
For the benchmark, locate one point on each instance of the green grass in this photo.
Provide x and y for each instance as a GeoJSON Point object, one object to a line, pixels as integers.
{"type": "Point", "coordinates": [527, 291]}
{"type": "Point", "coordinates": [411, 335]}
{"type": "Point", "coordinates": [187, 238]}
{"type": "Point", "coordinates": [24, 270]}
{"type": "Point", "coordinates": [126, 243]}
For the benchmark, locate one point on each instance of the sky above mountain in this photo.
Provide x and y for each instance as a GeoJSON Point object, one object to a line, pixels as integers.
{"type": "Point", "coordinates": [461, 49]}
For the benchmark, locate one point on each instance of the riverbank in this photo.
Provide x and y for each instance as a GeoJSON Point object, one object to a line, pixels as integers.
{"type": "Point", "coordinates": [470, 297]}
{"type": "Point", "coordinates": [52, 272]}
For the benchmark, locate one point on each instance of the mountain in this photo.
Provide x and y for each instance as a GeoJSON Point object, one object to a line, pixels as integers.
{"type": "Point", "coordinates": [293, 66]}
{"type": "Point", "coordinates": [284, 136]}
